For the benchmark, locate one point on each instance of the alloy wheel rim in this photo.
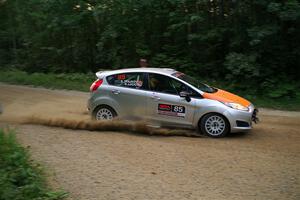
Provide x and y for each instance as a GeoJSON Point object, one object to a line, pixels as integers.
{"type": "Point", "coordinates": [215, 125]}
{"type": "Point", "coordinates": [104, 114]}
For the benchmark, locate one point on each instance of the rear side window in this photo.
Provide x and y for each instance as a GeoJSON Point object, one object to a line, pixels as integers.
{"type": "Point", "coordinates": [130, 80]}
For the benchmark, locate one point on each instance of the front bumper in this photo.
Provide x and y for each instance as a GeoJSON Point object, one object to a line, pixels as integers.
{"type": "Point", "coordinates": [254, 118]}
{"type": "Point", "coordinates": [241, 121]}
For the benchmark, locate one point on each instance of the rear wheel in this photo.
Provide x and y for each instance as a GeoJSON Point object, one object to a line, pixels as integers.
{"type": "Point", "coordinates": [104, 113]}
{"type": "Point", "coordinates": [214, 125]}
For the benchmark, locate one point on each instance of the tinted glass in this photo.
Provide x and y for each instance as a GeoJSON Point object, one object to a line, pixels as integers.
{"type": "Point", "coordinates": [201, 86]}
{"type": "Point", "coordinates": [180, 87]}
{"type": "Point", "coordinates": [130, 80]}
{"type": "Point", "coordinates": [160, 83]}
{"type": "Point", "coordinates": [165, 84]}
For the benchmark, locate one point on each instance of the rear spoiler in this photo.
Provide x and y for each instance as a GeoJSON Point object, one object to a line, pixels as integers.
{"type": "Point", "coordinates": [100, 74]}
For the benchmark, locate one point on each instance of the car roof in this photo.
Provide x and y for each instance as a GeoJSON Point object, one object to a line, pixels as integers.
{"type": "Point", "coordinates": [166, 71]}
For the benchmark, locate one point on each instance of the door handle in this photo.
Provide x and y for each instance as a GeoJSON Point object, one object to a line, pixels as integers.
{"type": "Point", "coordinates": [156, 98]}
{"type": "Point", "coordinates": [116, 91]}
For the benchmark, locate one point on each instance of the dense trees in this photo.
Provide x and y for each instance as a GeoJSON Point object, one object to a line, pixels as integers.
{"type": "Point", "coordinates": [250, 43]}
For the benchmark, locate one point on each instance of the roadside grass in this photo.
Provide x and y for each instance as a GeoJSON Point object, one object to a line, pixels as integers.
{"type": "Point", "coordinates": [20, 177]}
{"type": "Point", "coordinates": [291, 104]}
{"type": "Point", "coordinates": [71, 81]}
{"type": "Point", "coordinates": [82, 82]}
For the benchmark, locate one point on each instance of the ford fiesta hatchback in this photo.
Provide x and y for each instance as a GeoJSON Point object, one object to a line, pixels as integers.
{"type": "Point", "coordinates": [171, 98]}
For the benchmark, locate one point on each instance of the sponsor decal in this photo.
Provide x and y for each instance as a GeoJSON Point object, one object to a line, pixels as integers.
{"type": "Point", "coordinates": [131, 83]}
{"type": "Point", "coordinates": [171, 110]}
{"type": "Point", "coordinates": [165, 107]}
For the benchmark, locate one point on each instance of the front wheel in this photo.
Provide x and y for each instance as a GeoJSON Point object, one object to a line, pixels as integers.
{"type": "Point", "coordinates": [104, 113]}
{"type": "Point", "coordinates": [214, 125]}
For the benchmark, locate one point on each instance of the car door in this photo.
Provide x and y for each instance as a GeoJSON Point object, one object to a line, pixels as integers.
{"type": "Point", "coordinates": [164, 103]}
{"type": "Point", "coordinates": [127, 89]}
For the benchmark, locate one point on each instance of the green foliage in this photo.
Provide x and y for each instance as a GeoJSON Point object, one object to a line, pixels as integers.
{"type": "Point", "coordinates": [287, 90]}
{"type": "Point", "coordinates": [241, 67]}
{"type": "Point", "coordinates": [290, 11]}
{"type": "Point", "coordinates": [258, 34]}
{"type": "Point", "coordinates": [20, 178]}
{"type": "Point", "coordinates": [70, 81]}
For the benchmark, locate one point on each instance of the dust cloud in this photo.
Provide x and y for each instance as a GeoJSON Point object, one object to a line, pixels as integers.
{"type": "Point", "coordinates": [141, 127]}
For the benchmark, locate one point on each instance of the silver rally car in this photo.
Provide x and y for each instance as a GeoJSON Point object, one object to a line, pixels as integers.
{"type": "Point", "coordinates": [171, 98]}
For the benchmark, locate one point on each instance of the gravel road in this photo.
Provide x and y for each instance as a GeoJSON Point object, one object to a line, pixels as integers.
{"type": "Point", "coordinates": [91, 165]}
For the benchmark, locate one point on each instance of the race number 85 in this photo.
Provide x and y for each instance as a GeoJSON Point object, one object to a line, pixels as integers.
{"type": "Point", "coordinates": [178, 109]}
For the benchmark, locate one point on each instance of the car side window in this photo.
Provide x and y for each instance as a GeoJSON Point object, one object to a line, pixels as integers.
{"type": "Point", "coordinates": [165, 84]}
{"type": "Point", "coordinates": [130, 80]}
{"type": "Point", "coordinates": [181, 87]}
{"type": "Point", "coordinates": [161, 83]}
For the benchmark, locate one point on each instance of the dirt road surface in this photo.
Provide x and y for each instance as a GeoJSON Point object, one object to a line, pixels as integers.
{"type": "Point", "coordinates": [91, 165]}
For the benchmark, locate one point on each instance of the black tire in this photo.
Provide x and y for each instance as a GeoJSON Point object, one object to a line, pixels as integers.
{"type": "Point", "coordinates": [214, 125]}
{"type": "Point", "coordinates": [110, 112]}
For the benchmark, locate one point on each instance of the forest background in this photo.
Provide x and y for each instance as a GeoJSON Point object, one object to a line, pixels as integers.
{"type": "Point", "coordinates": [247, 46]}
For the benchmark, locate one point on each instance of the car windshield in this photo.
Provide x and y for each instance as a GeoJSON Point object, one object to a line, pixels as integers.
{"type": "Point", "coordinates": [201, 86]}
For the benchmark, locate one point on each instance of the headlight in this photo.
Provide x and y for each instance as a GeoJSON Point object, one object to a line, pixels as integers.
{"type": "Point", "coordinates": [236, 106]}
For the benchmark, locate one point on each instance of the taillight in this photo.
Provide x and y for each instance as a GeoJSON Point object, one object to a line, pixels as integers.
{"type": "Point", "coordinates": [96, 84]}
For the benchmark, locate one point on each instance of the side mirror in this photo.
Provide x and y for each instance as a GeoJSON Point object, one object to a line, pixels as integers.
{"type": "Point", "coordinates": [185, 95]}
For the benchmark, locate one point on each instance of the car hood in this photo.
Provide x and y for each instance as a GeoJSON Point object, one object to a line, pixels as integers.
{"type": "Point", "coordinates": [224, 96]}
